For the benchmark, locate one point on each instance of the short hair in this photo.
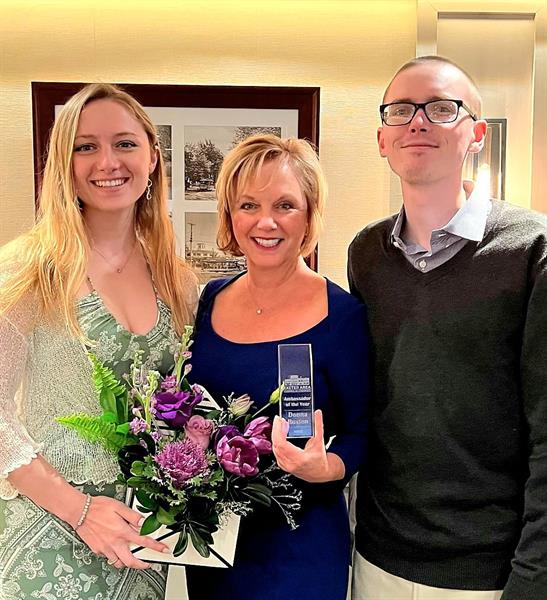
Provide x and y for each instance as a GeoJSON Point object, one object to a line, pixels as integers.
{"type": "Point", "coordinates": [243, 163]}
{"type": "Point", "coordinates": [475, 100]}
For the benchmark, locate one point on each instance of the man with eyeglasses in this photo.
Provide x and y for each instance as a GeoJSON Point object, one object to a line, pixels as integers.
{"type": "Point", "coordinates": [453, 502]}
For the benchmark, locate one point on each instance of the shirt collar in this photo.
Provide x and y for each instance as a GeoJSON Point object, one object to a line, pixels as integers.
{"type": "Point", "coordinates": [468, 223]}
{"type": "Point", "coordinates": [397, 227]}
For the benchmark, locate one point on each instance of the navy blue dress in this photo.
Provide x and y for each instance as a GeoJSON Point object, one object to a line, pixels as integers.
{"type": "Point", "coordinates": [272, 561]}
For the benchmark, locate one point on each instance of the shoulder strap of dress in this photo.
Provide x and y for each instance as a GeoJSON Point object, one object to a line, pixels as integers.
{"type": "Point", "coordinates": [90, 284]}
{"type": "Point", "coordinates": [151, 277]}
{"type": "Point", "coordinates": [211, 289]}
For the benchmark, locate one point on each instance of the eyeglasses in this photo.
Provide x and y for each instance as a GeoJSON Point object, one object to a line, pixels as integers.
{"type": "Point", "coordinates": [437, 111]}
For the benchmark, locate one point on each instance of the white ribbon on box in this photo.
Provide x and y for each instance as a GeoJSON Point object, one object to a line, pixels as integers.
{"type": "Point", "coordinates": [222, 551]}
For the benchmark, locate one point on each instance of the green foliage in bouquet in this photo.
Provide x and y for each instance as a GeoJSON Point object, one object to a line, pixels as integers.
{"type": "Point", "coordinates": [112, 393]}
{"type": "Point", "coordinates": [110, 429]}
{"type": "Point", "coordinates": [189, 460]}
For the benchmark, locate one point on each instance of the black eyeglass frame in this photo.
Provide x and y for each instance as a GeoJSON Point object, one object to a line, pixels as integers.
{"type": "Point", "coordinates": [422, 105]}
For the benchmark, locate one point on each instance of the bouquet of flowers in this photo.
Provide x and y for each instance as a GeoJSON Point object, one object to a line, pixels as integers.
{"type": "Point", "coordinates": [191, 461]}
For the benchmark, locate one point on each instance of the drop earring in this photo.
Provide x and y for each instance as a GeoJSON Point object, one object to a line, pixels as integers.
{"type": "Point", "coordinates": [149, 190]}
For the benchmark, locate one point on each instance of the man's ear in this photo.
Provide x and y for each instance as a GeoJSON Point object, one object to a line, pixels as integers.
{"type": "Point", "coordinates": [381, 142]}
{"type": "Point", "coordinates": [480, 128]}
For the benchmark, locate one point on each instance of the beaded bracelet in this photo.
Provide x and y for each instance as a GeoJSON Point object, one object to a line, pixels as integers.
{"type": "Point", "coordinates": [84, 511]}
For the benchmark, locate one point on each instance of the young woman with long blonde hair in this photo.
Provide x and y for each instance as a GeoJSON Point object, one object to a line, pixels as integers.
{"type": "Point", "coordinates": [99, 270]}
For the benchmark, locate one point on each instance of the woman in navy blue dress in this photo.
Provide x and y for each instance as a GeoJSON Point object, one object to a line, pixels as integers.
{"type": "Point", "coordinates": [271, 194]}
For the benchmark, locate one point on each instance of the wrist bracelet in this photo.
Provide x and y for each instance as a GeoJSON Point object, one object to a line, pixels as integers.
{"type": "Point", "coordinates": [84, 511]}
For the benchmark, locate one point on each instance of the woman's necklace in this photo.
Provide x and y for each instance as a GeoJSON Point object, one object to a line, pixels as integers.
{"type": "Point", "coordinates": [120, 268]}
{"type": "Point", "coordinates": [259, 309]}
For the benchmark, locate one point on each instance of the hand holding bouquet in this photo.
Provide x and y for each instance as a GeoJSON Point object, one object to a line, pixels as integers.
{"type": "Point", "coordinates": [191, 461]}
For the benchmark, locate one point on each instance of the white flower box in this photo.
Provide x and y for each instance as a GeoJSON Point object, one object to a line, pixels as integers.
{"type": "Point", "coordinates": [222, 550]}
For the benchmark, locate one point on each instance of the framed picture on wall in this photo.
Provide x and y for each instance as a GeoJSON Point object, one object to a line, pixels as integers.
{"type": "Point", "coordinates": [491, 156]}
{"type": "Point", "coordinates": [197, 126]}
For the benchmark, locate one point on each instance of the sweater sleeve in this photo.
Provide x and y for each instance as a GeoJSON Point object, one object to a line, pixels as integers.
{"type": "Point", "coordinates": [351, 274]}
{"type": "Point", "coordinates": [348, 379]}
{"type": "Point", "coordinates": [528, 578]}
{"type": "Point", "coordinates": [16, 446]}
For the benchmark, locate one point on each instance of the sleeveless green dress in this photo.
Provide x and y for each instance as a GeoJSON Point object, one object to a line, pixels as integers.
{"type": "Point", "coordinates": [41, 557]}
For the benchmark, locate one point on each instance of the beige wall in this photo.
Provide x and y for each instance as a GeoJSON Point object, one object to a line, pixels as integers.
{"type": "Point", "coordinates": [503, 45]}
{"type": "Point", "coordinates": [504, 75]}
{"type": "Point", "coordinates": [349, 48]}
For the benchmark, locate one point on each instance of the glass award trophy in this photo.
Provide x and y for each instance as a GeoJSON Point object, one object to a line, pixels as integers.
{"type": "Point", "coordinates": [296, 383]}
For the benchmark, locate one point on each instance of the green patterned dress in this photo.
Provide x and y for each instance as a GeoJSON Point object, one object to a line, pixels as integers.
{"type": "Point", "coordinates": [41, 556]}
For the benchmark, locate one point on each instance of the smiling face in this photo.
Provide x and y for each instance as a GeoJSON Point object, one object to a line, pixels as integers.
{"type": "Point", "coordinates": [112, 157]}
{"type": "Point", "coordinates": [270, 217]}
{"type": "Point", "coordinates": [422, 152]}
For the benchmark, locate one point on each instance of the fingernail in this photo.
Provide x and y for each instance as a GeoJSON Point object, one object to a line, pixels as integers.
{"type": "Point", "coordinates": [166, 550]}
{"type": "Point", "coordinates": [141, 521]}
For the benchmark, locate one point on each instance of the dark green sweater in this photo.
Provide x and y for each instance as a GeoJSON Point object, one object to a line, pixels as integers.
{"type": "Point", "coordinates": [455, 493]}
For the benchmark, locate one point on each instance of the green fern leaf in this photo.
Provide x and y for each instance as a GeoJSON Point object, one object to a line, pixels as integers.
{"type": "Point", "coordinates": [104, 377]}
{"type": "Point", "coordinates": [112, 393]}
{"type": "Point", "coordinates": [95, 429]}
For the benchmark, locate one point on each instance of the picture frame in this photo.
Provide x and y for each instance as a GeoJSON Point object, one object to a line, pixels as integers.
{"type": "Point", "coordinates": [200, 118]}
{"type": "Point", "coordinates": [493, 155]}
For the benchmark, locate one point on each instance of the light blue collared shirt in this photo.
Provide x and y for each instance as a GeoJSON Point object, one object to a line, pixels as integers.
{"type": "Point", "coordinates": [467, 224]}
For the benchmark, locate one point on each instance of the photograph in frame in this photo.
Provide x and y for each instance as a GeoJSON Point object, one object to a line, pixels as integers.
{"type": "Point", "coordinates": [204, 149]}
{"type": "Point", "coordinates": [201, 250]}
{"type": "Point", "coordinates": [165, 136]}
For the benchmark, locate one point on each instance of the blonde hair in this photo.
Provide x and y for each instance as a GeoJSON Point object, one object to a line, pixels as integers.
{"type": "Point", "coordinates": [50, 260]}
{"type": "Point", "coordinates": [243, 163]}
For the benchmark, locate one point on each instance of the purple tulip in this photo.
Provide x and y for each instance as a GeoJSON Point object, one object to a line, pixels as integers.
{"type": "Point", "coordinates": [258, 426]}
{"type": "Point", "coordinates": [238, 455]}
{"type": "Point", "coordinates": [229, 431]}
{"type": "Point", "coordinates": [258, 432]}
{"type": "Point", "coordinates": [176, 408]}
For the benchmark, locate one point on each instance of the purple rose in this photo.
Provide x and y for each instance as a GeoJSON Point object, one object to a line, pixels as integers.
{"type": "Point", "coordinates": [258, 431]}
{"type": "Point", "coordinates": [238, 455]}
{"type": "Point", "coordinates": [199, 430]}
{"type": "Point", "coordinates": [175, 408]}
